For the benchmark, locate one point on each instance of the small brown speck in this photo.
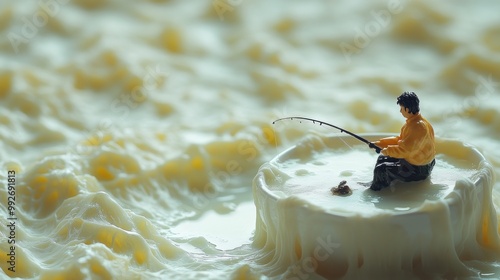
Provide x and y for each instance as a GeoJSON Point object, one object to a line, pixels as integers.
{"type": "Point", "coordinates": [342, 189]}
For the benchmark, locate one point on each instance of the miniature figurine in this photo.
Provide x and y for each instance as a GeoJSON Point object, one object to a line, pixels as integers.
{"type": "Point", "coordinates": [409, 156]}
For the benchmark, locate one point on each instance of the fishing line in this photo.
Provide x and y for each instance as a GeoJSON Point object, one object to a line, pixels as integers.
{"type": "Point", "coordinates": [275, 140]}
{"type": "Point", "coordinates": [345, 142]}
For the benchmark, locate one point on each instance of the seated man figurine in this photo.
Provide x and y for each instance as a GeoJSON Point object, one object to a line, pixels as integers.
{"type": "Point", "coordinates": [409, 156]}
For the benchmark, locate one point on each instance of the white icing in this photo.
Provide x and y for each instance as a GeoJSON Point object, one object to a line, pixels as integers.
{"type": "Point", "coordinates": [407, 230]}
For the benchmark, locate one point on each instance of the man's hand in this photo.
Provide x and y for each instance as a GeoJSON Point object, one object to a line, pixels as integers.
{"type": "Point", "coordinates": [374, 146]}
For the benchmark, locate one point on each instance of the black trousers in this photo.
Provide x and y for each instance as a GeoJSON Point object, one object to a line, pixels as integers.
{"type": "Point", "coordinates": [388, 169]}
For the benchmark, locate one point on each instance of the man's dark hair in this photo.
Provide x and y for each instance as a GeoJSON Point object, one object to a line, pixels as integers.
{"type": "Point", "coordinates": [409, 99]}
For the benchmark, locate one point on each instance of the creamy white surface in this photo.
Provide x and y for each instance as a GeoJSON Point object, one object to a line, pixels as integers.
{"type": "Point", "coordinates": [125, 120]}
{"type": "Point", "coordinates": [310, 176]}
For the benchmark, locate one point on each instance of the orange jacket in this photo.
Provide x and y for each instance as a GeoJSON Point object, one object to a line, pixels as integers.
{"type": "Point", "coordinates": [415, 143]}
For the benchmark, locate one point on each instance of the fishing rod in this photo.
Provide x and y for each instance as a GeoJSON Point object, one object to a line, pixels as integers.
{"type": "Point", "coordinates": [370, 144]}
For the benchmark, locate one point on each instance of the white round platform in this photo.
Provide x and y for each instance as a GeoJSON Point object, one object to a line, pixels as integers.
{"type": "Point", "coordinates": [420, 228]}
